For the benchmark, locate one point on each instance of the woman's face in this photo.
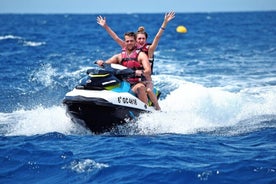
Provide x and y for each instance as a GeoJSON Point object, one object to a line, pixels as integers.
{"type": "Point", "coordinates": [141, 39]}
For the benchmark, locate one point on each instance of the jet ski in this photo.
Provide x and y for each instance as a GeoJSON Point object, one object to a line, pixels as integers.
{"type": "Point", "coordinates": [103, 99]}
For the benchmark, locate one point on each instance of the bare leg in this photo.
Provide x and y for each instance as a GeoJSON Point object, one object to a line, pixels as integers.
{"type": "Point", "coordinates": [140, 90]}
{"type": "Point", "coordinates": [153, 98]}
{"type": "Point", "coordinates": [150, 93]}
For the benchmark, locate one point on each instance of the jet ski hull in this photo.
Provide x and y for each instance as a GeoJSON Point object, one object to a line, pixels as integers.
{"type": "Point", "coordinates": [99, 114]}
{"type": "Point", "coordinates": [103, 100]}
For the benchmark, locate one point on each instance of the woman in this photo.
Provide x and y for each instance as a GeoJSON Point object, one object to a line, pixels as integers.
{"type": "Point", "coordinates": [141, 43]}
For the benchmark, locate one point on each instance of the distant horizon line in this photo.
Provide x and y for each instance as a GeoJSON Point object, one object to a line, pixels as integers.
{"type": "Point", "coordinates": [227, 11]}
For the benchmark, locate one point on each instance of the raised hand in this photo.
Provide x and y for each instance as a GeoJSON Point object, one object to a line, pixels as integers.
{"type": "Point", "coordinates": [169, 16]}
{"type": "Point", "coordinates": [101, 21]}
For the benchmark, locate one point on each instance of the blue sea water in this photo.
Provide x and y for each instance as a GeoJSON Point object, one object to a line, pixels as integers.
{"type": "Point", "coordinates": [218, 118]}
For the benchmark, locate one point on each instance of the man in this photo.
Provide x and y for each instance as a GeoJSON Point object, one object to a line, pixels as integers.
{"type": "Point", "coordinates": [134, 59]}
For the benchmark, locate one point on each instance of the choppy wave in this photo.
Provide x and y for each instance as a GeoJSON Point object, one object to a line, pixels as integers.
{"type": "Point", "coordinates": [6, 37]}
{"type": "Point", "coordinates": [217, 123]}
{"type": "Point", "coordinates": [22, 41]}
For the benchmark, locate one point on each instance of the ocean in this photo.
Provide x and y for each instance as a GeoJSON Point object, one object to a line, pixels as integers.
{"type": "Point", "coordinates": [218, 84]}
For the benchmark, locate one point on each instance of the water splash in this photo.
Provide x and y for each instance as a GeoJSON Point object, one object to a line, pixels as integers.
{"type": "Point", "coordinates": [85, 165]}
{"type": "Point", "coordinates": [44, 76]}
{"type": "Point", "coordinates": [192, 108]}
{"type": "Point", "coordinates": [39, 120]}
{"type": "Point", "coordinates": [189, 108]}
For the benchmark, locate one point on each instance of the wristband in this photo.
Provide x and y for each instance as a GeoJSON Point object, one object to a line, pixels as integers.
{"type": "Point", "coordinates": [162, 28]}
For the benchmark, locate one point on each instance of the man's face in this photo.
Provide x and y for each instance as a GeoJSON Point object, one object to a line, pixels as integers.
{"type": "Point", "coordinates": [130, 42]}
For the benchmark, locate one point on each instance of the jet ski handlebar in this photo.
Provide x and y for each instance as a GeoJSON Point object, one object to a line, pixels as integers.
{"type": "Point", "coordinates": [114, 69]}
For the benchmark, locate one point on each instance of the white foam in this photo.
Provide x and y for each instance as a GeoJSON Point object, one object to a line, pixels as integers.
{"type": "Point", "coordinates": [85, 165]}
{"type": "Point", "coordinates": [6, 37]}
{"type": "Point", "coordinates": [33, 44]}
{"type": "Point", "coordinates": [192, 108]}
{"type": "Point", "coordinates": [39, 120]}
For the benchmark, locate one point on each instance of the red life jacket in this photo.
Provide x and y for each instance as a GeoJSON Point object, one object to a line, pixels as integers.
{"type": "Point", "coordinates": [131, 61]}
{"type": "Point", "coordinates": [145, 49]}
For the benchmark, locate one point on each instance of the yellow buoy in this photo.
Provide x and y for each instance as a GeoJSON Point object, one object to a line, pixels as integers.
{"type": "Point", "coordinates": [181, 29]}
